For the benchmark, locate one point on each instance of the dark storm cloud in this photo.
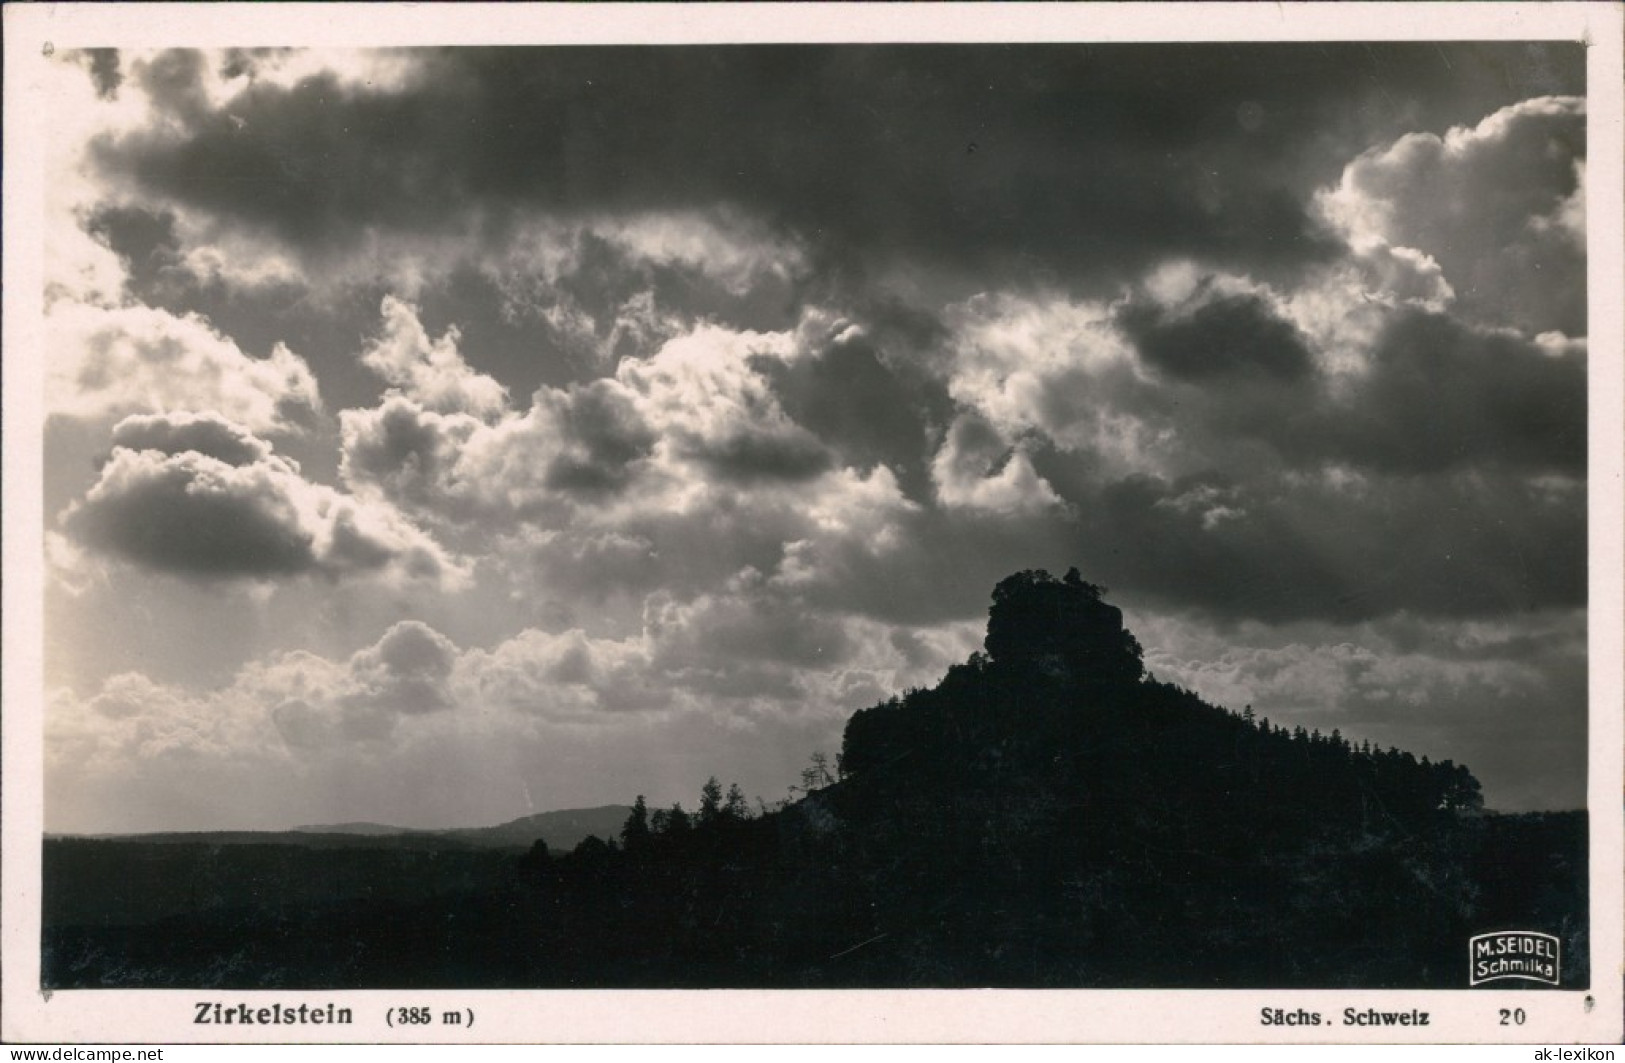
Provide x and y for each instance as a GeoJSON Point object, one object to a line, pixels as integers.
{"type": "Point", "coordinates": [1138, 536]}
{"type": "Point", "coordinates": [606, 279]}
{"type": "Point", "coordinates": [1442, 395]}
{"type": "Point", "coordinates": [1444, 480]}
{"type": "Point", "coordinates": [1461, 546]}
{"type": "Point", "coordinates": [1227, 336]}
{"type": "Point", "coordinates": [610, 435]}
{"type": "Point", "coordinates": [407, 451]}
{"type": "Point", "coordinates": [871, 410]}
{"type": "Point", "coordinates": [205, 500]}
{"type": "Point", "coordinates": [173, 81]}
{"type": "Point", "coordinates": [520, 347]}
{"type": "Point", "coordinates": [754, 455]}
{"type": "Point", "coordinates": [1036, 158]}
{"type": "Point", "coordinates": [1437, 396]}
{"type": "Point", "coordinates": [180, 515]}
{"type": "Point", "coordinates": [315, 164]}
{"type": "Point", "coordinates": [145, 241]}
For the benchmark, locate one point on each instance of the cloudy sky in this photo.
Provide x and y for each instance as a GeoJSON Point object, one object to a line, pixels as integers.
{"type": "Point", "coordinates": [435, 437]}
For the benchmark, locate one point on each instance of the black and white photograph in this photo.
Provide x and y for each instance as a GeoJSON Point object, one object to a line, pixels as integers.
{"type": "Point", "coordinates": [899, 513]}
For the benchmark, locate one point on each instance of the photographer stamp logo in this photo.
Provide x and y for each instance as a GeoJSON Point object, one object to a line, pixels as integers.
{"type": "Point", "coordinates": [1526, 954]}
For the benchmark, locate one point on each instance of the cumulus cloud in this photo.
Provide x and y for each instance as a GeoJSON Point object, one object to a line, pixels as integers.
{"type": "Point", "coordinates": [409, 454]}
{"type": "Point", "coordinates": [72, 568]}
{"type": "Point", "coordinates": [731, 655]}
{"type": "Point", "coordinates": [716, 631]}
{"type": "Point", "coordinates": [80, 268]}
{"type": "Point", "coordinates": [208, 434]}
{"type": "Point", "coordinates": [193, 513]}
{"type": "Point", "coordinates": [567, 676]}
{"type": "Point", "coordinates": [432, 372]}
{"type": "Point", "coordinates": [1059, 367]}
{"type": "Point", "coordinates": [575, 445]}
{"type": "Point", "coordinates": [698, 401]}
{"type": "Point", "coordinates": [542, 266]}
{"type": "Point", "coordinates": [1210, 496]}
{"type": "Point", "coordinates": [156, 723]}
{"type": "Point", "coordinates": [290, 716]}
{"type": "Point", "coordinates": [202, 497]}
{"type": "Point", "coordinates": [407, 670]}
{"type": "Point", "coordinates": [314, 703]}
{"type": "Point", "coordinates": [108, 362]}
{"type": "Point", "coordinates": [694, 426]}
{"type": "Point", "coordinates": [673, 474]}
{"type": "Point", "coordinates": [976, 469]}
{"type": "Point", "coordinates": [821, 538]}
{"type": "Point", "coordinates": [702, 394]}
{"type": "Point", "coordinates": [1497, 205]}
{"type": "Point", "coordinates": [603, 436]}
{"type": "Point", "coordinates": [85, 104]}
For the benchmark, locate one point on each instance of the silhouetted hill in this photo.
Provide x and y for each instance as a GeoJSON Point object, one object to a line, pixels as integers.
{"type": "Point", "coordinates": [1047, 816]}
{"type": "Point", "coordinates": [1121, 831]}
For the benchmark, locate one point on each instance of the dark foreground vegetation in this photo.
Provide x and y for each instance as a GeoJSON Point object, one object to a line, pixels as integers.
{"type": "Point", "coordinates": [1046, 816]}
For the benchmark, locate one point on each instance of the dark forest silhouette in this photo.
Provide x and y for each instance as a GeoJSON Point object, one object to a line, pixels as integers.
{"type": "Point", "coordinates": [1047, 815]}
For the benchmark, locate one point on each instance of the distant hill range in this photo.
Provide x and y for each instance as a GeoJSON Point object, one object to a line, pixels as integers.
{"type": "Point", "coordinates": [563, 830]}
{"type": "Point", "coordinates": [368, 829]}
